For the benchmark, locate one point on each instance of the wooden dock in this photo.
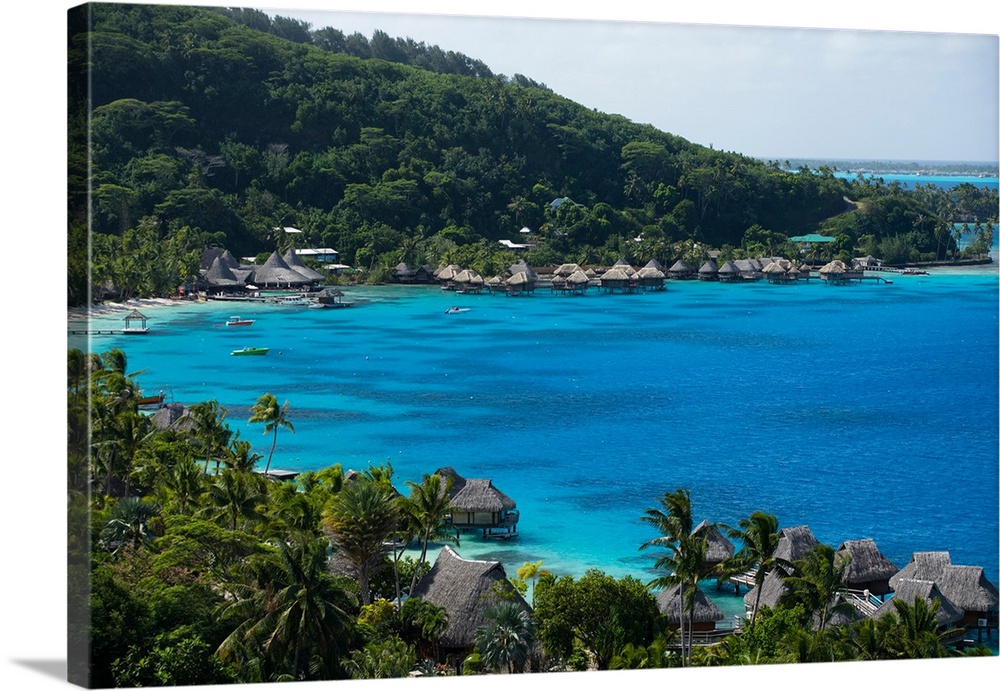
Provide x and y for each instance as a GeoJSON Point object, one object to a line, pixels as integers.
{"type": "Point", "coordinates": [95, 332]}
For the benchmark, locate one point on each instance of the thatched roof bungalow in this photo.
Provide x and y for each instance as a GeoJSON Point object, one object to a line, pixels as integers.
{"type": "Point", "coordinates": [719, 548]}
{"type": "Point", "coordinates": [750, 269]}
{"type": "Point", "coordinates": [680, 270]}
{"type": "Point", "coordinates": [651, 278]}
{"type": "Point", "coordinates": [771, 591]}
{"type": "Point", "coordinates": [909, 589]}
{"type": "Point", "coordinates": [520, 283]}
{"type": "Point", "coordinates": [466, 589]}
{"type": "Point", "coordinates": [728, 273]}
{"type": "Point", "coordinates": [924, 566]}
{"type": "Point", "coordinates": [969, 589]}
{"type": "Point", "coordinates": [478, 504]}
{"type": "Point", "coordinates": [617, 279]}
{"type": "Point", "coordinates": [795, 542]}
{"type": "Point", "coordinates": [403, 273]}
{"type": "Point", "coordinates": [173, 416]}
{"type": "Point", "coordinates": [709, 271]}
{"type": "Point", "coordinates": [868, 569]}
{"type": "Point", "coordinates": [565, 270]}
{"type": "Point", "coordinates": [468, 281]}
{"type": "Point", "coordinates": [703, 617]}
{"type": "Point", "coordinates": [220, 277]}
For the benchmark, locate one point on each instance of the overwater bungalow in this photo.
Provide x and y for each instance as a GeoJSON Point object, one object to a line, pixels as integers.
{"type": "Point", "coordinates": [966, 586]}
{"type": "Point", "coordinates": [770, 590]}
{"type": "Point", "coordinates": [468, 281]}
{"type": "Point", "coordinates": [795, 542]}
{"type": "Point", "coordinates": [466, 589]}
{"type": "Point", "coordinates": [728, 273]}
{"type": "Point", "coordinates": [909, 589]}
{"type": "Point", "coordinates": [173, 416]}
{"type": "Point", "coordinates": [577, 282]}
{"type": "Point", "coordinates": [868, 569]}
{"type": "Point", "coordinates": [650, 278]}
{"type": "Point", "coordinates": [680, 270]}
{"type": "Point", "coordinates": [704, 616]}
{"type": "Point", "coordinates": [718, 546]}
{"type": "Point", "coordinates": [780, 271]}
{"type": "Point", "coordinates": [521, 283]}
{"type": "Point", "coordinates": [750, 269]}
{"type": "Point", "coordinates": [709, 271]}
{"type": "Point", "coordinates": [476, 503]}
{"type": "Point", "coordinates": [565, 270]}
{"type": "Point", "coordinates": [616, 279]}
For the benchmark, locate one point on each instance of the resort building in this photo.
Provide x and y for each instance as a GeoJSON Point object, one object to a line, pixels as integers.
{"type": "Point", "coordinates": [718, 546]}
{"type": "Point", "coordinates": [966, 586]}
{"type": "Point", "coordinates": [703, 618]}
{"type": "Point", "coordinates": [477, 504]}
{"type": "Point", "coordinates": [867, 568]}
{"type": "Point", "coordinates": [466, 589]}
{"type": "Point", "coordinates": [909, 589]}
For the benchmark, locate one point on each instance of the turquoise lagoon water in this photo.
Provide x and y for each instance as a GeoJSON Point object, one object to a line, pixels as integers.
{"type": "Point", "coordinates": [861, 411]}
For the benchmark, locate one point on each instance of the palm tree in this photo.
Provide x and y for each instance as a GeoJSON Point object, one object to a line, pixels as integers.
{"type": "Point", "coordinates": [234, 495]}
{"type": "Point", "coordinates": [759, 537]}
{"type": "Point", "coordinates": [816, 582]}
{"type": "Point", "coordinates": [211, 430]}
{"type": "Point", "coordinates": [684, 560]}
{"type": "Point", "coordinates": [185, 482]}
{"type": "Point", "coordinates": [362, 517]}
{"type": "Point", "coordinates": [507, 638]}
{"type": "Point", "coordinates": [129, 524]}
{"type": "Point", "coordinates": [266, 410]}
{"type": "Point", "coordinates": [293, 615]}
{"type": "Point", "coordinates": [427, 510]}
{"type": "Point", "coordinates": [918, 634]}
{"type": "Point", "coordinates": [240, 455]}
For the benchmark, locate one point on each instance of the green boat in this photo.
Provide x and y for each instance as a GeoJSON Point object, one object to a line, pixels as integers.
{"type": "Point", "coordinates": [250, 351]}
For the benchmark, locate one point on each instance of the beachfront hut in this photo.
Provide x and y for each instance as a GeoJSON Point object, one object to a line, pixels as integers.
{"type": "Point", "coordinates": [718, 546]}
{"type": "Point", "coordinates": [220, 277]}
{"type": "Point", "coordinates": [709, 271]}
{"type": "Point", "coordinates": [296, 264]}
{"type": "Point", "coordinates": [728, 273]}
{"type": "Point", "coordinates": [403, 273]}
{"type": "Point", "coordinates": [868, 568]}
{"type": "Point", "coordinates": [466, 589]}
{"type": "Point", "coordinates": [703, 616]}
{"type": "Point", "coordinates": [909, 589]}
{"type": "Point", "coordinates": [480, 505]}
{"type": "Point", "coordinates": [275, 272]}
{"type": "Point", "coordinates": [681, 270]}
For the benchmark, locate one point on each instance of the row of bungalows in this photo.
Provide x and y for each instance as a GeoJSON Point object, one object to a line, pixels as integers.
{"type": "Point", "coordinates": [873, 584]}
{"type": "Point", "coordinates": [222, 273]}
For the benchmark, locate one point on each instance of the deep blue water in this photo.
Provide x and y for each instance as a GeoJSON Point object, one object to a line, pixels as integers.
{"type": "Point", "coordinates": [861, 411]}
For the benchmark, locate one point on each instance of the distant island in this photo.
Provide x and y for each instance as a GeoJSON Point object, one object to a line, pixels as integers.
{"type": "Point", "coordinates": [988, 168]}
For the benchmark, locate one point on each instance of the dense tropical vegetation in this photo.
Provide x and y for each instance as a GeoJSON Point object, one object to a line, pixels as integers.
{"type": "Point", "coordinates": [188, 566]}
{"type": "Point", "coordinates": [192, 127]}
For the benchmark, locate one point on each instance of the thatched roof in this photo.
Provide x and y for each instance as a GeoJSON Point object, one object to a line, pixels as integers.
{"type": "Point", "coordinates": [466, 590]}
{"type": "Point", "coordinates": [774, 268]}
{"type": "Point", "coordinates": [295, 263]}
{"type": "Point", "coordinates": [728, 268]}
{"type": "Point", "coordinates": [173, 416]}
{"type": "Point", "coordinates": [481, 495]}
{"type": "Point", "coordinates": [229, 260]}
{"type": "Point", "coordinates": [209, 255]}
{"type": "Point", "coordinates": [624, 266]}
{"type": "Point", "coordinates": [404, 271]}
{"type": "Point", "coordinates": [616, 273]}
{"type": "Point", "coordinates": [447, 273]}
{"type": "Point", "coordinates": [925, 566]}
{"type": "Point", "coordinates": [668, 601]}
{"type": "Point", "coordinates": [910, 589]}
{"type": "Point", "coordinates": [468, 276]}
{"type": "Point", "coordinates": [719, 546]}
{"type": "Point", "coordinates": [578, 277]}
{"type": "Point", "coordinates": [457, 481]}
{"type": "Point", "coordinates": [867, 562]}
{"type": "Point", "coordinates": [221, 274]}
{"type": "Point", "coordinates": [968, 588]}
{"type": "Point", "coordinates": [680, 266]}
{"type": "Point", "coordinates": [653, 264]}
{"type": "Point", "coordinates": [276, 271]}
{"type": "Point", "coordinates": [771, 591]}
{"type": "Point", "coordinates": [522, 267]}
{"type": "Point", "coordinates": [794, 543]}
{"type": "Point", "coordinates": [566, 269]}
{"type": "Point", "coordinates": [650, 272]}
{"type": "Point", "coordinates": [521, 278]}
{"type": "Point", "coordinates": [709, 267]}
{"type": "Point", "coordinates": [834, 267]}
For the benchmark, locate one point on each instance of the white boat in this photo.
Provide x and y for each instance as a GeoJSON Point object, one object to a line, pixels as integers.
{"type": "Point", "coordinates": [294, 300]}
{"type": "Point", "coordinates": [456, 310]}
{"type": "Point", "coordinates": [239, 321]}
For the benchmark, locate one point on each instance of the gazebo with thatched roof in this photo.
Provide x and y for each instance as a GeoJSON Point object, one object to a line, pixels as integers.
{"type": "Point", "coordinates": [868, 569]}
{"type": "Point", "coordinates": [130, 320]}
{"type": "Point", "coordinates": [704, 615]}
{"type": "Point", "coordinates": [466, 589]}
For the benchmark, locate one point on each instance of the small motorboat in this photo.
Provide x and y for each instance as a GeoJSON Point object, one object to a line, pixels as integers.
{"type": "Point", "coordinates": [250, 351]}
{"type": "Point", "coordinates": [294, 300]}
{"type": "Point", "coordinates": [239, 321]}
{"type": "Point", "coordinates": [456, 310]}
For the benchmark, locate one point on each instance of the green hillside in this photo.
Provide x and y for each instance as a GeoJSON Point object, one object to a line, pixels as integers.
{"type": "Point", "coordinates": [212, 126]}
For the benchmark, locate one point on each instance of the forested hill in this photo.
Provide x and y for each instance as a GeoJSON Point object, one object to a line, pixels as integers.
{"type": "Point", "coordinates": [204, 129]}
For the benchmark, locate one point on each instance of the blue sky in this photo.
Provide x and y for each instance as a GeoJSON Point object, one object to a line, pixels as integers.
{"type": "Point", "coordinates": [863, 92]}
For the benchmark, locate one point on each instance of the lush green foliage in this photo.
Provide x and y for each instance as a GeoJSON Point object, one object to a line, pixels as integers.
{"type": "Point", "coordinates": [218, 127]}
